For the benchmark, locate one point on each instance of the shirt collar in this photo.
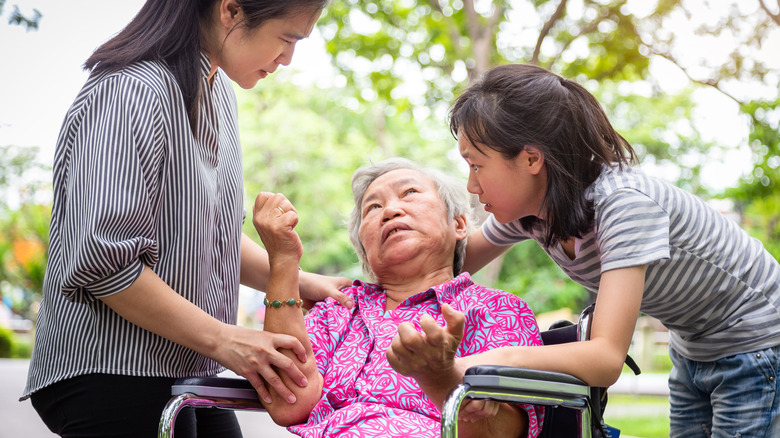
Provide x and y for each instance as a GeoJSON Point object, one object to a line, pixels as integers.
{"type": "Point", "coordinates": [205, 65]}
{"type": "Point", "coordinates": [445, 292]}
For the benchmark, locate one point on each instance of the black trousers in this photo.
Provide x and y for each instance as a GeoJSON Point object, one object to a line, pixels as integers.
{"type": "Point", "coordinates": [104, 405]}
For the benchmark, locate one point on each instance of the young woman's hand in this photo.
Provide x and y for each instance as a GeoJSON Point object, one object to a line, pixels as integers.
{"type": "Point", "coordinates": [316, 287]}
{"type": "Point", "coordinates": [255, 356]}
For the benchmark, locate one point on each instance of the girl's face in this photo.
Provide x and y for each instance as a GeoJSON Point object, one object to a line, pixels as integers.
{"type": "Point", "coordinates": [509, 189]}
{"type": "Point", "coordinates": [248, 55]}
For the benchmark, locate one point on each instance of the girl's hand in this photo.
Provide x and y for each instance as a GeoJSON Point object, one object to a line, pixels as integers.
{"type": "Point", "coordinates": [316, 287]}
{"type": "Point", "coordinates": [255, 356]}
{"type": "Point", "coordinates": [275, 218]}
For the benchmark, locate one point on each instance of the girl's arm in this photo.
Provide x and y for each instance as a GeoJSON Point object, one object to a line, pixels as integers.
{"type": "Point", "coordinates": [598, 361]}
{"type": "Point", "coordinates": [480, 252]}
{"type": "Point", "coordinates": [255, 272]}
{"type": "Point", "coordinates": [151, 304]}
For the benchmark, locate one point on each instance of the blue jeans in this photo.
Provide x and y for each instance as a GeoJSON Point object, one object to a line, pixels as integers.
{"type": "Point", "coordinates": [736, 396]}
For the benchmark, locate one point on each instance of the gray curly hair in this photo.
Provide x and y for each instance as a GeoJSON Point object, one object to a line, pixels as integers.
{"type": "Point", "coordinates": [451, 191]}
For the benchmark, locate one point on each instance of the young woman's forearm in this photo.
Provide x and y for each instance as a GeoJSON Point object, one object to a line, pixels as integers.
{"type": "Point", "coordinates": [151, 304]}
{"type": "Point", "coordinates": [288, 319]}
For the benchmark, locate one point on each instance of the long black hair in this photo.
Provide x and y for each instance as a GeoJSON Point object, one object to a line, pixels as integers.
{"type": "Point", "coordinates": [514, 106]}
{"type": "Point", "coordinates": [170, 31]}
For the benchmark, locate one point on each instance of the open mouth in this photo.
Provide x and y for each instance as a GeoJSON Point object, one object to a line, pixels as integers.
{"type": "Point", "coordinates": [395, 228]}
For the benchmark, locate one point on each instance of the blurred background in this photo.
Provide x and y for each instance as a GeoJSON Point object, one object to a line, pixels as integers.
{"type": "Point", "coordinates": [694, 85]}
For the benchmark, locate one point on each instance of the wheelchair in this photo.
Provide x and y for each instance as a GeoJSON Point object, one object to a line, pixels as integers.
{"type": "Point", "coordinates": [572, 408]}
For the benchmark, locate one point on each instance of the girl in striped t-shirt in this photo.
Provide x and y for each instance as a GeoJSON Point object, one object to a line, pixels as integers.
{"type": "Point", "coordinates": [548, 166]}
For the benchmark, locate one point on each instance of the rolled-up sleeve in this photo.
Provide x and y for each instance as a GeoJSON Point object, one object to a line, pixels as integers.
{"type": "Point", "coordinates": [112, 183]}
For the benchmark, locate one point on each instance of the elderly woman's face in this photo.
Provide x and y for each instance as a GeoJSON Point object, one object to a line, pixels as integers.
{"type": "Point", "coordinates": [403, 220]}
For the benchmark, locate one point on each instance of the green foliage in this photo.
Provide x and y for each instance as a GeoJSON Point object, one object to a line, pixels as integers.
{"type": "Point", "coordinates": [6, 342]}
{"type": "Point", "coordinates": [13, 345]}
{"type": "Point", "coordinates": [377, 44]}
{"type": "Point", "coordinates": [307, 147]}
{"type": "Point", "coordinates": [638, 416]}
{"type": "Point", "coordinates": [529, 273]}
{"type": "Point", "coordinates": [757, 197]}
{"type": "Point", "coordinates": [23, 254]}
{"type": "Point", "coordinates": [16, 163]}
{"type": "Point", "coordinates": [18, 18]}
{"type": "Point", "coordinates": [404, 61]}
{"type": "Point", "coordinates": [659, 127]}
{"type": "Point", "coordinates": [25, 238]}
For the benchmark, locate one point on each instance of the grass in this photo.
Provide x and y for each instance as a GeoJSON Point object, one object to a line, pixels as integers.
{"type": "Point", "coordinates": [638, 416]}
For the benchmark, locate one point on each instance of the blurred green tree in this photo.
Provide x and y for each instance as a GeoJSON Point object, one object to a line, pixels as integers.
{"type": "Point", "coordinates": [383, 47]}
{"type": "Point", "coordinates": [307, 147]}
{"type": "Point", "coordinates": [24, 221]}
{"type": "Point", "coordinates": [29, 20]}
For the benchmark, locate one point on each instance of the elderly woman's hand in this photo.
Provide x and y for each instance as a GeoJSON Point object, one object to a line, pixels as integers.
{"type": "Point", "coordinates": [429, 357]}
{"type": "Point", "coordinates": [275, 218]}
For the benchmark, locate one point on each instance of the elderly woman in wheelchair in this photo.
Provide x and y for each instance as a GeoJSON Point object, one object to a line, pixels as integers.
{"type": "Point", "coordinates": [409, 226]}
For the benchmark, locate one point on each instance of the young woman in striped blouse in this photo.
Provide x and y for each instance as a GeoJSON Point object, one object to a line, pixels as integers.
{"type": "Point", "coordinates": [146, 251]}
{"type": "Point", "coordinates": [547, 165]}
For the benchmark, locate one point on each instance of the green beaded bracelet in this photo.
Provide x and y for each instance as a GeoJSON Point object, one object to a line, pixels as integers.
{"type": "Point", "coordinates": [277, 304]}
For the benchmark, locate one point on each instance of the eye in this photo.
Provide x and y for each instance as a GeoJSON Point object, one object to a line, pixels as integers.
{"type": "Point", "coordinates": [474, 167]}
{"type": "Point", "coordinates": [287, 42]}
{"type": "Point", "coordinates": [410, 191]}
{"type": "Point", "coordinates": [370, 208]}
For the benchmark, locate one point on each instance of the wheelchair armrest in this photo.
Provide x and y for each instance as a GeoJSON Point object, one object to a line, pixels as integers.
{"type": "Point", "coordinates": [216, 387]}
{"type": "Point", "coordinates": [522, 373]}
{"type": "Point", "coordinates": [517, 386]}
{"type": "Point", "coordinates": [504, 378]}
{"type": "Point", "coordinates": [207, 392]}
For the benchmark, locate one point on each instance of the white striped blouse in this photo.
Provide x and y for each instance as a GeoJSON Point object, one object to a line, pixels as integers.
{"type": "Point", "coordinates": [134, 189]}
{"type": "Point", "coordinates": [716, 288]}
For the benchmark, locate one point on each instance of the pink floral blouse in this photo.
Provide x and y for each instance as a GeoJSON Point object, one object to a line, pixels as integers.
{"type": "Point", "coordinates": [362, 395]}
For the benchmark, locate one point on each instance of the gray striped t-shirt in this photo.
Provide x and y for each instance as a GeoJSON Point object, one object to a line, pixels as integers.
{"type": "Point", "coordinates": [716, 288]}
{"type": "Point", "coordinates": [134, 190]}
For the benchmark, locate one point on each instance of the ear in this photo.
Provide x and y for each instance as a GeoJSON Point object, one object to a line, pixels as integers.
{"type": "Point", "coordinates": [532, 158]}
{"type": "Point", "coordinates": [461, 227]}
{"type": "Point", "coordinates": [230, 13]}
